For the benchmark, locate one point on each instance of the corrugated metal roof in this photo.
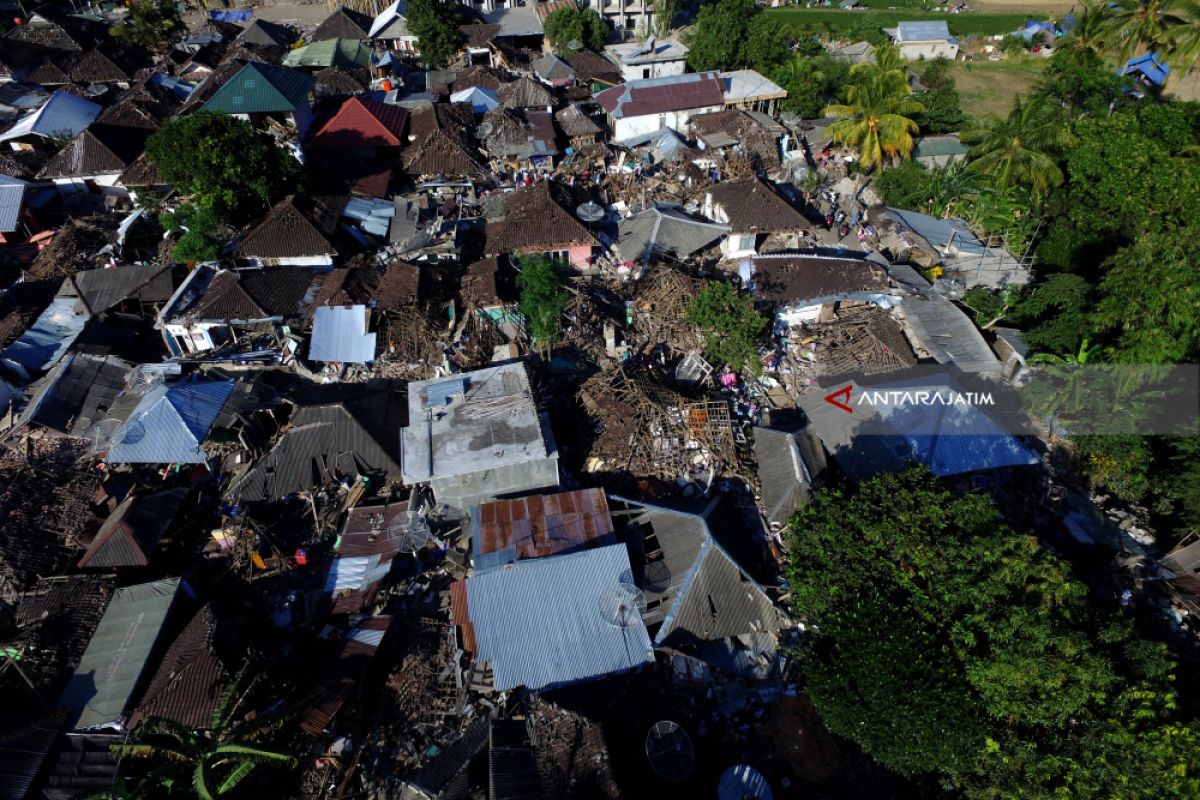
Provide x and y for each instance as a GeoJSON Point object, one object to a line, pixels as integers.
{"type": "Point", "coordinates": [132, 531]}
{"type": "Point", "coordinates": [340, 334]}
{"type": "Point", "coordinates": [349, 53]}
{"type": "Point", "coordinates": [460, 615]}
{"type": "Point", "coordinates": [784, 471]}
{"type": "Point", "coordinates": [390, 14]}
{"type": "Point", "coordinates": [108, 672]}
{"type": "Point", "coordinates": [321, 445]}
{"type": "Point", "coordinates": [44, 343]}
{"type": "Point", "coordinates": [660, 95]}
{"type": "Point", "coordinates": [927, 31]}
{"type": "Point", "coordinates": [22, 752]}
{"type": "Point", "coordinates": [170, 424]}
{"type": "Point", "coordinates": [538, 526]}
{"type": "Point", "coordinates": [77, 393]}
{"type": "Point", "coordinates": [436, 778]}
{"type": "Point", "coordinates": [665, 231]}
{"type": "Point", "coordinates": [262, 89]}
{"type": "Point", "coordinates": [512, 768]}
{"type": "Point", "coordinates": [62, 116]}
{"type": "Point", "coordinates": [541, 622]}
{"type": "Point", "coordinates": [187, 685]}
{"type": "Point", "coordinates": [439, 395]}
{"type": "Point", "coordinates": [12, 193]}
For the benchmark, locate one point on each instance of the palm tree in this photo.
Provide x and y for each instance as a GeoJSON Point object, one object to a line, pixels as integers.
{"type": "Point", "coordinates": [876, 118]}
{"type": "Point", "coordinates": [1018, 150]}
{"type": "Point", "coordinates": [1184, 51]}
{"type": "Point", "coordinates": [202, 764]}
{"type": "Point", "coordinates": [1089, 38]}
{"type": "Point", "coordinates": [1142, 24]}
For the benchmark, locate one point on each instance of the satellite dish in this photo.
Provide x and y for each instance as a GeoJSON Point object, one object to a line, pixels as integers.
{"type": "Point", "coordinates": [408, 532]}
{"type": "Point", "coordinates": [743, 782]}
{"type": "Point", "coordinates": [574, 44]}
{"type": "Point", "coordinates": [658, 577]}
{"type": "Point", "coordinates": [101, 434]}
{"type": "Point", "coordinates": [622, 605]}
{"type": "Point", "coordinates": [590, 212]}
{"type": "Point", "coordinates": [95, 90]}
{"type": "Point", "coordinates": [651, 44]}
{"type": "Point", "coordinates": [484, 130]}
{"type": "Point", "coordinates": [134, 433]}
{"type": "Point", "coordinates": [141, 380]}
{"type": "Point", "coordinates": [669, 750]}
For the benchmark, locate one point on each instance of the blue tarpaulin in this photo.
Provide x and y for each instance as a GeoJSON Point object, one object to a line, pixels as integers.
{"type": "Point", "coordinates": [231, 16]}
{"type": "Point", "coordinates": [1149, 67]}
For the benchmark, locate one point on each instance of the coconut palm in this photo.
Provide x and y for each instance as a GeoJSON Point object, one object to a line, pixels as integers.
{"type": "Point", "coordinates": [1089, 38]}
{"type": "Point", "coordinates": [1018, 150]}
{"type": "Point", "coordinates": [876, 118]}
{"type": "Point", "coordinates": [1134, 25]}
{"type": "Point", "coordinates": [202, 764]}
{"type": "Point", "coordinates": [1184, 50]}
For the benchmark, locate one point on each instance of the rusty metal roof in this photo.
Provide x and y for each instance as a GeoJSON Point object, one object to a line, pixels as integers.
{"type": "Point", "coordinates": [541, 525]}
{"type": "Point", "coordinates": [660, 95]}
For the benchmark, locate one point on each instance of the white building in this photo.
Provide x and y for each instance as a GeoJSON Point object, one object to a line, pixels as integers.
{"type": "Point", "coordinates": [924, 40]}
{"type": "Point", "coordinates": [649, 59]}
{"type": "Point", "coordinates": [641, 107]}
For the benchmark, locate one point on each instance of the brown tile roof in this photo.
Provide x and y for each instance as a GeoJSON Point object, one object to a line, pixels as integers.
{"type": "Point", "coordinates": [574, 123]}
{"type": "Point", "coordinates": [525, 93]}
{"type": "Point", "coordinates": [660, 95]}
{"type": "Point", "coordinates": [188, 684]}
{"type": "Point", "coordinates": [288, 232]}
{"type": "Point", "coordinates": [478, 35]}
{"type": "Point", "coordinates": [753, 205]}
{"type": "Point", "coordinates": [362, 122]}
{"type": "Point", "coordinates": [342, 172]}
{"type": "Point", "coordinates": [56, 34]}
{"type": "Point", "coordinates": [480, 75]}
{"type": "Point", "coordinates": [48, 73]}
{"type": "Point", "coordinates": [591, 66]}
{"type": "Point", "coordinates": [133, 530]}
{"type": "Point", "coordinates": [352, 660]}
{"type": "Point", "coordinates": [257, 294]}
{"type": "Point", "coordinates": [541, 217]}
{"type": "Point", "coordinates": [543, 525]}
{"type": "Point", "coordinates": [489, 283]}
{"type": "Point", "coordinates": [789, 279]}
{"type": "Point", "coordinates": [141, 172]}
{"type": "Point", "coordinates": [99, 150]}
{"type": "Point", "coordinates": [544, 10]}
{"type": "Point", "coordinates": [344, 23]}
{"type": "Point", "coordinates": [336, 80]}
{"type": "Point", "coordinates": [95, 67]}
{"type": "Point", "coordinates": [133, 113]}
{"type": "Point", "coordinates": [440, 141]}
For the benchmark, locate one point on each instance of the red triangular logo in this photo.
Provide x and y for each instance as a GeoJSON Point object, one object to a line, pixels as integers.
{"type": "Point", "coordinates": [841, 399]}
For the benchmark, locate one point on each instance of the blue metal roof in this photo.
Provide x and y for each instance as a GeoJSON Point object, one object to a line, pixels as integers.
{"type": "Point", "coordinates": [340, 334]}
{"type": "Point", "coordinates": [541, 622]}
{"type": "Point", "coordinates": [49, 337]}
{"type": "Point", "coordinates": [12, 191]}
{"type": "Point", "coordinates": [923, 31]}
{"type": "Point", "coordinates": [439, 394]}
{"type": "Point", "coordinates": [1150, 67]}
{"type": "Point", "coordinates": [170, 423]}
{"type": "Point", "coordinates": [63, 115]}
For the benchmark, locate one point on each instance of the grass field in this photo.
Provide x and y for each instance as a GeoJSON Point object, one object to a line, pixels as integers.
{"type": "Point", "coordinates": [832, 20]}
{"type": "Point", "coordinates": [988, 87]}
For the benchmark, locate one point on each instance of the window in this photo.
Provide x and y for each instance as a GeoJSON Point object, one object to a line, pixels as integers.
{"type": "Point", "coordinates": [645, 72]}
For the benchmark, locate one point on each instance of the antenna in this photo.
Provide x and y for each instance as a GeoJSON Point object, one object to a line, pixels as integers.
{"type": "Point", "coordinates": [590, 211]}
{"type": "Point", "coordinates": [133, 433]}
{"type": "Point", "coordinates": [144, 377]}
{"type": "Point", "coordinates": [408, 532]}
{"type": "Point", "coordinates": [101, 434]}
{"type": "Point", "coordinates": [669, 750]}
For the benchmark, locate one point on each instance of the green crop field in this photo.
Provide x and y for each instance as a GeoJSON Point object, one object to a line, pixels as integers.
{"type": "Point", "coordinates": [833, 20]}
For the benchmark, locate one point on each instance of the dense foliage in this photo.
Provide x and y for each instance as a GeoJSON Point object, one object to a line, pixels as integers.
{"type": "Point", "coordinates": [543, 297]}
{"type": "Point", "coordinates": [435, 24]}
{"type": "Point", "coordinates": [877, 116]}
{"type": "Point", "coordinates": [229, 172]}
{"type": "Point", "coordinates": [732, 327]}
{"type": "Point", "coordinates": [948, 644]}
{"type": "Point", "coordinates": [569, 29]}
{"type": "Point", "coordinates": [152, 24]}
{"type": "Point", "coordinates": [943, 110]}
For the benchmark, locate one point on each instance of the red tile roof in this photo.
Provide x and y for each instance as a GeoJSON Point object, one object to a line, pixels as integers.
{"type": "Point", "coordinates": [541, 217]}
{"type": "Point", "coordinates": [660, 95]}
{"type": "Point", "coordinates": [361, 122]}
{"type": "Point", "coordinates": [288, 232]}
{"type": "Point", "coordinates": [544, 525]}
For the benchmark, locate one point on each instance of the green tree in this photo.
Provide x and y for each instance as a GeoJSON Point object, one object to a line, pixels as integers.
{"type": "Point", "coordinates": [435, 24]}
{"type": "Point", "coordinates": [204, 764]}
{"type": "Point", "coordinates": [732, 327]}
{"type": "Point", "coordinates": [1005, 678]}
{"type": "Point", "coordinates": [665, 12]}
{"type": "Point", "coordinates": [1056, 314]}
{"type": "Point", "coordinates": [223, 163]}
{"type": "Point", "coordinates": [805, 85]}
{"type": "Point", "coordinates": [200, 235]}
{"type": "Point", "coordinates": [1082, 81]}
{"type": "Point", "coordinates": [766, 43]}
{"type": "Point", "coordinates": [877, 116]}
{"type": "Point", "coordinates": [543, 297]}
{"type": "Point", "coordinates": [719, 40]}
{"type": "Point", "coordinates": [152, 24]}
{"type": "Point", "coordinates": [1149, 307]}
{"type": "Point", "coordinates": [572, 28]}
{"type": "Point", "coordinates": [1087, 42]}
{"type": "Point", "coordinates": [1020, 149]}
{"type": "Point", "coordinates": [943, 108]}
{"type": "Point", "coordinates": [1133, 25]}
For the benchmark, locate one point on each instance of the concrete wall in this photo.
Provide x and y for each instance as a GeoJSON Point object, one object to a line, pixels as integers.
{"type": "Point", "coordinates": [658, 69]}
{"type": "Point", "coordinates": [915, 51]}
{"type": "Point", "coordinates": [467, 491]}
{"type": "Point", "coordinates": [628, 127]}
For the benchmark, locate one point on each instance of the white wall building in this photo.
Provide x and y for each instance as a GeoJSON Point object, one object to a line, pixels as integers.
{"type": "Point", "coordinates": [642, 107]}
{"type": "Point", "coordinates": [919, 41]}
{"type": "Point", "coordinates": [649, 59]}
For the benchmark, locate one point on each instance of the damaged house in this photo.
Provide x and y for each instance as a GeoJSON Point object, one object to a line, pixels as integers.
{"type": "Point", "coordinates": [477, 436]}
{"type": "Point", "coordinates": [542, 220]}
{"type": "Point", "coordinates": [752, 208]}
{"type": "Point", "coordinates": [808, 287]}
{"type": "Point", "coordinates": [259, 92]}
